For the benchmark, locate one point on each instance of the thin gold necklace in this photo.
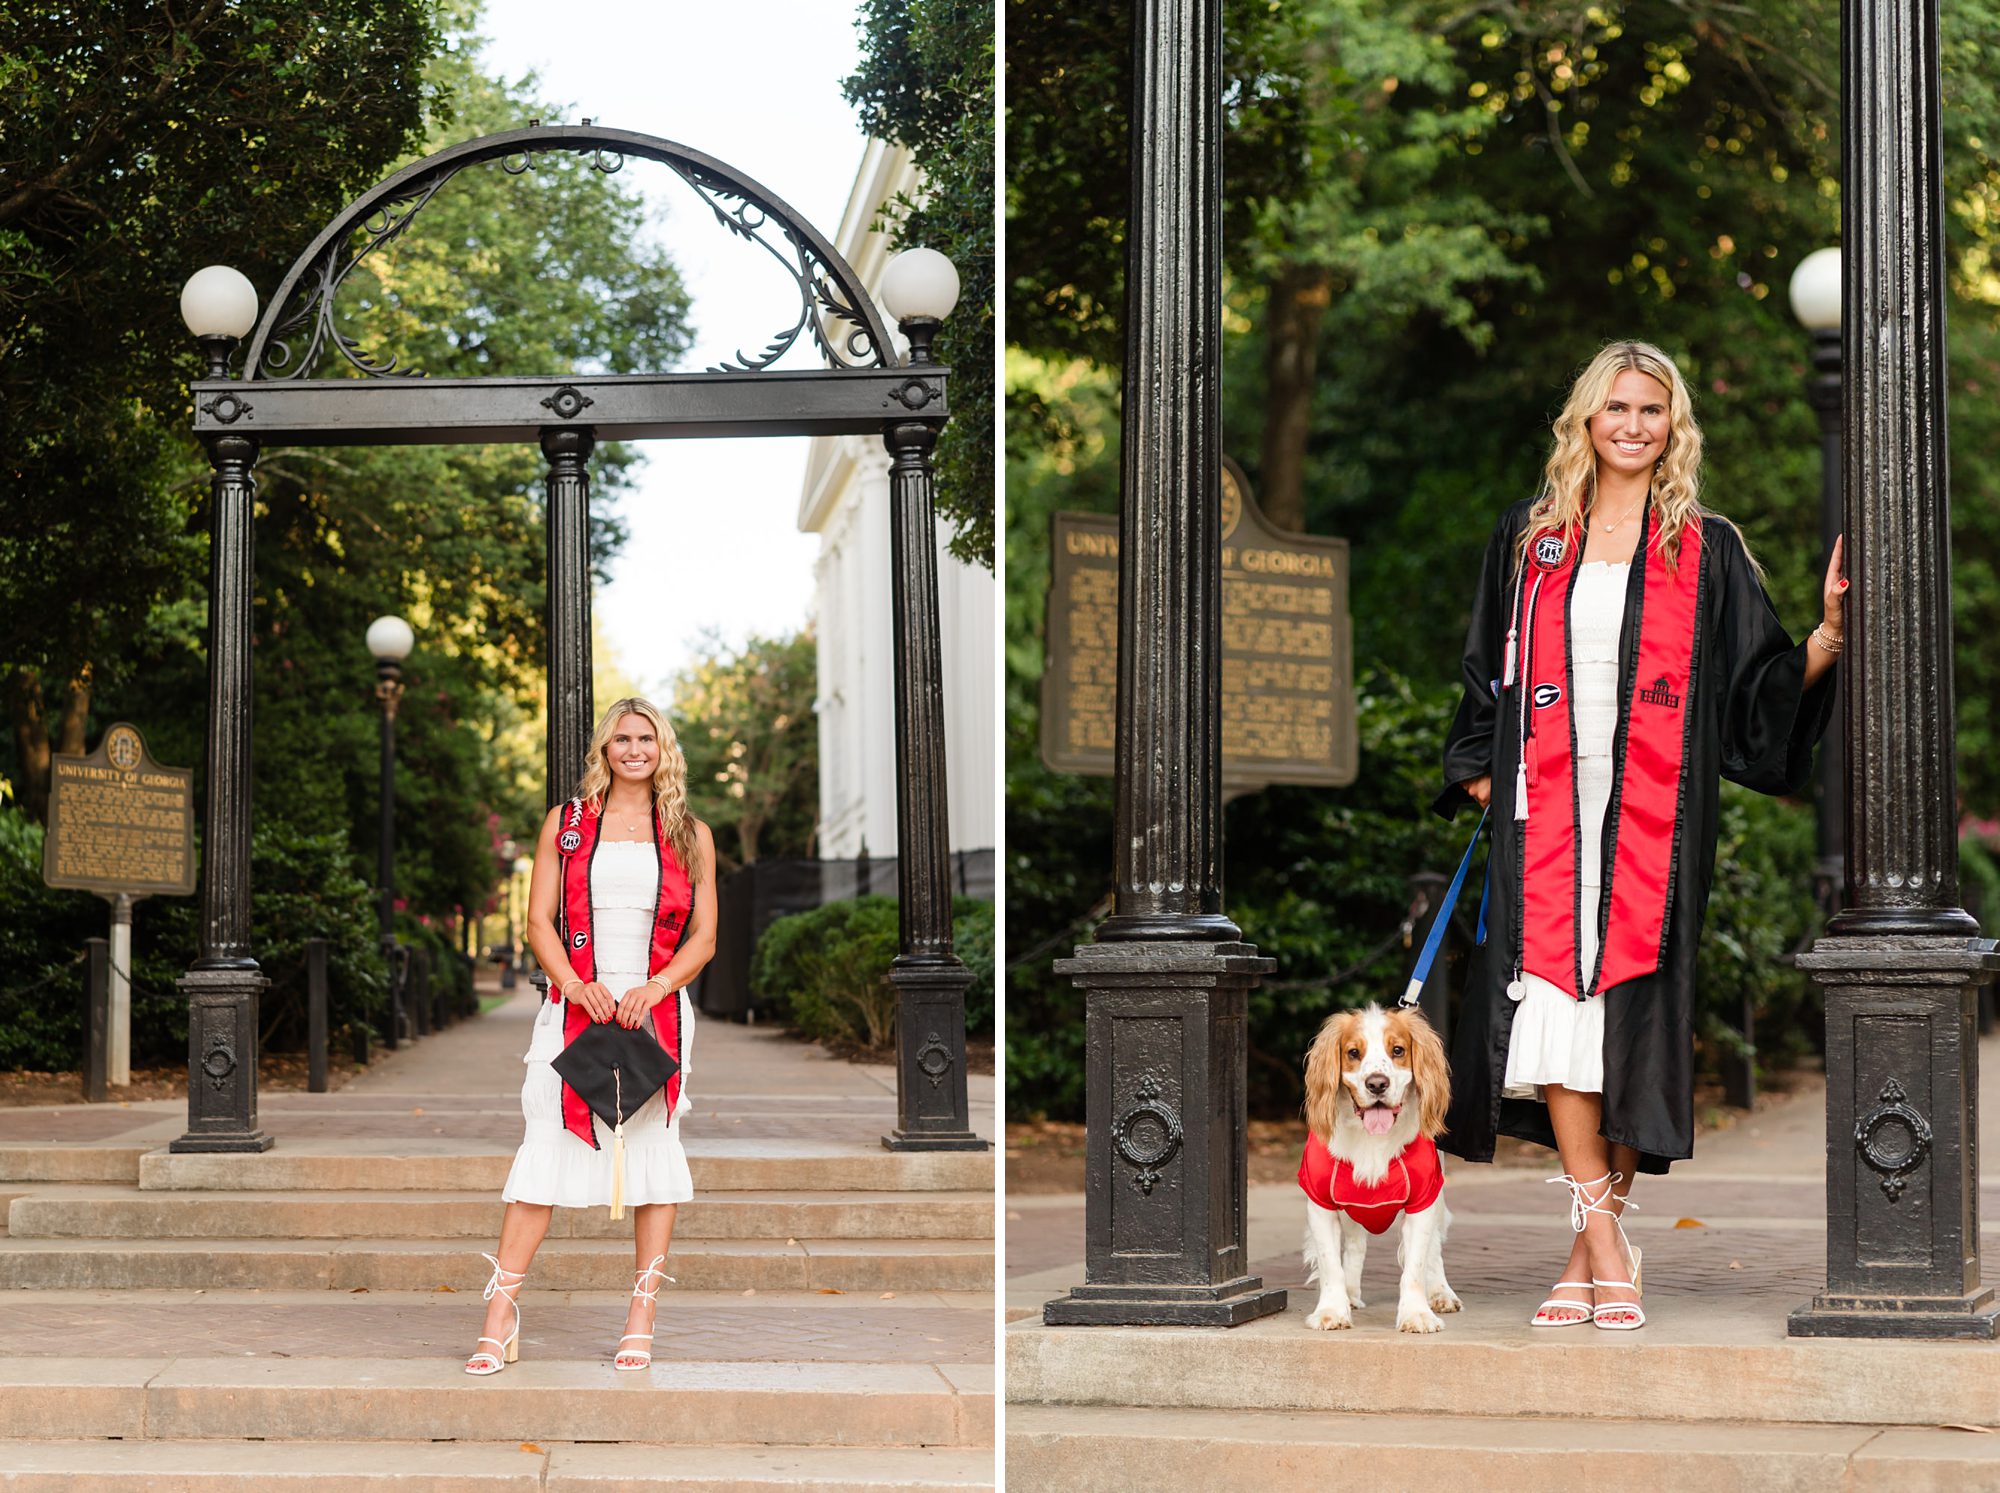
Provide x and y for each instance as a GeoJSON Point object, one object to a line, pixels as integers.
{"type": "Point", "coordinates": [1605, 526]}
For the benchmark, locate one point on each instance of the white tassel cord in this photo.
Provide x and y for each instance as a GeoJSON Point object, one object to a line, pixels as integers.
{"type": "Point", "coordinates": [617, 1149]}
{"type": "Point", "coordinates": [1526, 689]}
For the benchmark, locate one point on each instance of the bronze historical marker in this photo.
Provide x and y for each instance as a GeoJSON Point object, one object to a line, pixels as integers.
{"type": "Point", "coordinates": [119, 822]}
{"type": "Point", "coordinates": [1287, 649]}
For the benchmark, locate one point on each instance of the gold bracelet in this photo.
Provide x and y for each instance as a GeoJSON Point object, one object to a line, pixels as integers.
{"type": "Point", "coordinates": [1826, 640]}
{"type": "Point", "coordinates": [656, 980]}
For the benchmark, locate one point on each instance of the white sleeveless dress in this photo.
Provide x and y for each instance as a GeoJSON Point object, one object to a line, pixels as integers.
{"type": "Point", "coordinates": [1556, 1039]}
{"type": "Point", "coordinates": [553, 1166]}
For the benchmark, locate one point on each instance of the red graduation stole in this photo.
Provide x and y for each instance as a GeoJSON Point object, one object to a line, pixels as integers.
{"type": "Point", "coordinates": [576, 843]}
{"type": "Point", "coordinates": [1646, 798]}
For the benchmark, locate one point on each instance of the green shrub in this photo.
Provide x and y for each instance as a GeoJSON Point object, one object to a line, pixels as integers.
{"type": "Point", "coordinates": [826, 969]}
{"type": "Point", "coordinates": [303, 887]}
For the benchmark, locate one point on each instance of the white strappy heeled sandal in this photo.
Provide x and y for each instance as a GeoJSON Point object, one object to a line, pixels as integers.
{"type": "Point", "coordinates": [631, 1360]}
{"type": "Point", "coordinates": [486, 1361]}
{"type": "Point", "coordinates": [1581, 1206]}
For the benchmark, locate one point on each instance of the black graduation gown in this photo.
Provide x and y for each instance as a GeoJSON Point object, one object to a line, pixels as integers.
{"type": "Point", "coordinates": [1753, 723]}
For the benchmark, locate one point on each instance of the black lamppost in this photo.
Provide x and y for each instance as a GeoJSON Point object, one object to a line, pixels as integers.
{"type": "Point", "coordinates": [223, 985]}
{"type": "Point", "coordinates": [1815, 293]}
{"type": "Point", "coordinates": [390, 640]}
{"type": "Point", "coordinates": [511, 853]}
{"type": "Point", "coordinates": [919, 289]}
{"type": "Point", "coordinates": [1901, 962]}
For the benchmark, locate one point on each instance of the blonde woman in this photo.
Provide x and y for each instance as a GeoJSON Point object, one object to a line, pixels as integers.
{"type": "Point", "coordinates": [1623, 658]}
{"type": "Point", "coordinates": [621, 915]}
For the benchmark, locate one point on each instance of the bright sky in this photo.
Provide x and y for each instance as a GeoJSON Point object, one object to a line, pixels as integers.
{"type": "Point", "coordinates": [714, 524]}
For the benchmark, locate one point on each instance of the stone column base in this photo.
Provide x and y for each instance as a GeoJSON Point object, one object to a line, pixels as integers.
{"type": "Point", "coordinates": [222, 1060]}
{"type": "Point", "coordinates": [1902, 1128]}
{"type": "Point", "coordinates": [1165, 1054]}
{"type": "Point", "coordinates": [932, 1112]}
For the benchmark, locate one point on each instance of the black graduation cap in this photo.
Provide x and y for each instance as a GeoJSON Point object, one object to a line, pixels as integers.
{"type": "Point", "coordinates": [615, 1069]}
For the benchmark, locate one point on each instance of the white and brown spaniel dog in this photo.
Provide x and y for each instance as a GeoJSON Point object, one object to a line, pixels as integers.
{"type": "Point", "coordinates": [1376, 1090]}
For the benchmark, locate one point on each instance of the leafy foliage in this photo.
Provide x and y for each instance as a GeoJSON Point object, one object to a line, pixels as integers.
{"type": "Point", "coordinates": [829, 968]}
{"type": "Point", "coordinates": [751, 740]}
{"type": "Point", "coordinates": [926, 82]}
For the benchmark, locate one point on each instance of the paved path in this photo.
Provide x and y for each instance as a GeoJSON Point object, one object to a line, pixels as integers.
{"type": "Point", "coordinates": [1740, 1229]}
{"type": "Point", "coordinates": [463, 1084]}
{"type": "Point", "coordinates": [457, 1092]}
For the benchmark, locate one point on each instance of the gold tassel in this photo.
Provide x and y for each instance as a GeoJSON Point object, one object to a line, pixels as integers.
{"type": "Point", "coordinates": [617, 1151]}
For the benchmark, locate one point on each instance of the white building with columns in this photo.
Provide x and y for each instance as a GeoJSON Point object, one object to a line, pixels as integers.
{"type": "Point", "coordinates": [846, 502]}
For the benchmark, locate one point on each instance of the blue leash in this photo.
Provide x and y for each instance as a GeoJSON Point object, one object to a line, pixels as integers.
{"type": "Point", "coordinates": [1435, 940]}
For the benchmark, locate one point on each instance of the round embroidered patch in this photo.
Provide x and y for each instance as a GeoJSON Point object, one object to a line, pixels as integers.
{"type": "Point", "coordinates": [568, 841]}
{"type": "Point", "coordinates": [1549, 551]}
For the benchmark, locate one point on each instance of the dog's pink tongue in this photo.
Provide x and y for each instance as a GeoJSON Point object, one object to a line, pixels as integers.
{"type": "Point", "coordinates": [1379, 1120]}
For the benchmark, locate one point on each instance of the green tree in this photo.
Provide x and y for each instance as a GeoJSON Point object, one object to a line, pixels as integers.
{"type": "Point", "coordinates": [926, 82]}
{"type": "Point", "coordinates": [143, 142]}
{"type": "Point", "coordinates": [747, 727]}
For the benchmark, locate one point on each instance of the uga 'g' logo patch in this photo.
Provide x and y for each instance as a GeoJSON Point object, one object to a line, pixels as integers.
{"type": "Point", "coordinates": [1547, 694]}
{"type": "Point", "coordinates": [578, 939]}
{"type": "Point", "coordinates": [567, 841]}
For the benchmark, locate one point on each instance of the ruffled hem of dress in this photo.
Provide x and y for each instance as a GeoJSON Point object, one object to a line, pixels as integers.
{"type": "Point", "coordinates": [1554, 1040]}
{"type": "Point", "coordinates": [564, 1173]}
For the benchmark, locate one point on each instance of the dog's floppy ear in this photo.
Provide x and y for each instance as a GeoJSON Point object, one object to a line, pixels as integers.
{"type": "Point", "coordinates": [1432, 1072]}
{"type": "Point", "coordinates": [1323, 1063]}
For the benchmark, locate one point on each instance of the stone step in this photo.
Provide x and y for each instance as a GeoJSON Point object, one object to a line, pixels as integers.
{"type": "Point", "coordinates": [1693, 1362]}
{"type": "Point", "coordinates": [1112, 1449]}
{"type": "Point", "coordinates": [477, 1467]}
{"type": "Point", "coordinates": [129, 1213]}
{"type": "Point", "coordinates": [48, 1161]}
{"type": "Point", "coordinates": [375, 1400]}
{"type": "Point", "coordinates": [425, 1265]}
{"type": "Point", "coordinates": [717, 1165]}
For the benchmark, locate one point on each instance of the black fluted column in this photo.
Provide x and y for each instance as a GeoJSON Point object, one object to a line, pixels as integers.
{"type": "Point", "coordinates": [1167, 983]}
{"type": "Point", "coordinates": [568, 521]}
{"type": "Point", "coordinates": [1900, 961]}
{"type": "Point", "coordinates": [224, 984]}
{"type": "Point", "coordinates": [1831, 777]}
{"type": "Point", "coordinates": [932, 1108]}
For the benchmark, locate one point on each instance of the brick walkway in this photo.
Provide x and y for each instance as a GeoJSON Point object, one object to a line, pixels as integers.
{"type": "Point", "coordinates": [1743, 1221]}
{"type": "Point", "coordinates": [457, 1092]}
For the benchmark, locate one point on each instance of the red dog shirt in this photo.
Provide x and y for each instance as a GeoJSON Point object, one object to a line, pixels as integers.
{"type": "Point", "coordinates": [1411, 1184]}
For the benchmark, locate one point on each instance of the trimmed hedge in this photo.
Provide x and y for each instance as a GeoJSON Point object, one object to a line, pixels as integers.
{"type": "Point", "coordinates": [826, 969]}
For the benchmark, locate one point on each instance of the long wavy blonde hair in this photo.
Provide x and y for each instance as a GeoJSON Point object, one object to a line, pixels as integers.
{"type": "Point", "coordinates": [1569, 481]}
{"type": "Point", "coordinates": [670, 805]}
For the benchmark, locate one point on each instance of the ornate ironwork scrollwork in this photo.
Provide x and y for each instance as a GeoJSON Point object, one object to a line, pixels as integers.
{"type": "Point", "coordinates": [1893, 1106]}
{"type": "Point", "coordinates": [934, 1059]}
{"type": "Point", "coordinates": [834, 310]}
{"type": "Point", "coordinates": [227, 408]}
{"type": "Point", "coordinates": [819, 291]}
{"type": "Point", "coordinates": [1151, 1152]}
{"type": "Point", "coordinates": [315, 298]}
{"type": "Point", "coordinates": [219, 1062]}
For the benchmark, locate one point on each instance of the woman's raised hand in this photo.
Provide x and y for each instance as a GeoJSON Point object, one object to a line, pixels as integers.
{"type": "Point", "coordinates": [636, 1002]}
{"type": "Point", "coordinates": [596, 1000]}
{"type": "Point", "coordinates": [1479, 789]}
{"type": "Point", "coordinates": [1835, 590]}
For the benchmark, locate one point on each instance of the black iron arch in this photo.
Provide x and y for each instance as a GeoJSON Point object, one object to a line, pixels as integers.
{"type": "Point", "coordinates": [304, 304]}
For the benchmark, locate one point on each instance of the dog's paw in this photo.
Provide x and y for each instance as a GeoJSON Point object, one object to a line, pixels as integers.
{"type": "Point", "coordinates": [1326, 1319]}
{"type": "Point", "coordinates": [1423, 1319]}
{"type": "Point", "coordinates": [1443, 1299]}
{"type": "Point", "coordinates": [1356, 1302]}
